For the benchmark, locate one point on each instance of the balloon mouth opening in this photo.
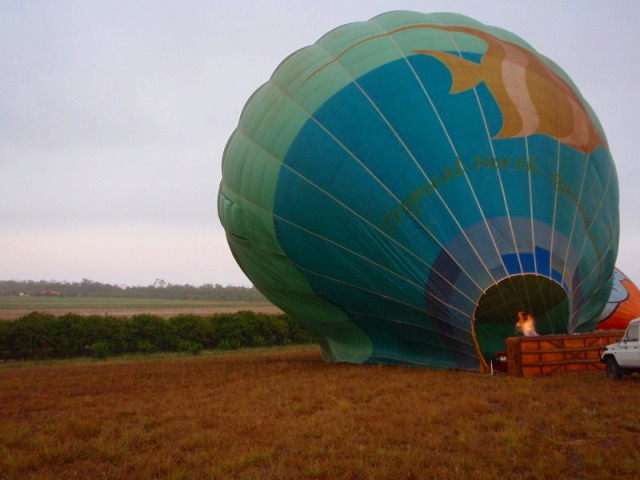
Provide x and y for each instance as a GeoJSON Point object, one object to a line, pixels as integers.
{"type": "Point", "coordinates": [519, 305]}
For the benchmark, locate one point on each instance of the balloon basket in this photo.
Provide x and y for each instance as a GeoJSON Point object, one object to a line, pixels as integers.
{"type": "Point", "coordinates": [551, 354]}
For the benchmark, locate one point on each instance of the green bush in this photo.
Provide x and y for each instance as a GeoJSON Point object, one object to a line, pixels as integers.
{"type": "Point", "coordinates": [114, 332]}
{"type": "Point", "coordinates": [42, 335]}
{"type": "Point", "coordinates": [226, 332]}
{"type": "Point", "coordinates": [191, 328]}
{"type": "Point", "coordinates": [100, 350]}
{"type": "Point", "coordinates": [32, 336]}
{"type": "Point", "coordinates": [6, 340]}
{"type": "Point", "coordinates": [152, 333]}
{"type": "Point", "coordinates": [145, 346]}
{"type": "Point", "coordinates": [187, 346]}
{"type": "Point", "coordinates": [229, 344]}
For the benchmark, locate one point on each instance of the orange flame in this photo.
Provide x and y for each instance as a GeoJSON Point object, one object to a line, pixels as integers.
{"type": "Point", "coordinates": [526, 324]}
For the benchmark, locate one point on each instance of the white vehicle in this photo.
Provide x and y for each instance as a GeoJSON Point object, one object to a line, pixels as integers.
{"type": "Point", "coordinates": [623, 357]}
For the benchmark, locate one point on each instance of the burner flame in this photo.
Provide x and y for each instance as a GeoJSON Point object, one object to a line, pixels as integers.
{"type": "Point", "coordinates": [526, 324]}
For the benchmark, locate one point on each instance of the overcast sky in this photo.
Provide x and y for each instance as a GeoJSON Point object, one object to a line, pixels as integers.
{"type": "Point", "coordinates": [114, 116]}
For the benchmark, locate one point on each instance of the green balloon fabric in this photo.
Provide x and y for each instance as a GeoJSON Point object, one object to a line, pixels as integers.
{"type": "Point", "coordinates": [407, 185]}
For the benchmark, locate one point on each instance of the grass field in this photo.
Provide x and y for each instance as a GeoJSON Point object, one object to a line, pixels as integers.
{"type": "Point", "coordinates": [12, 307]}
{"type": "Point", "coordinates": [285, 413]}
{"type": "Point", "coordinates": [45, 303]}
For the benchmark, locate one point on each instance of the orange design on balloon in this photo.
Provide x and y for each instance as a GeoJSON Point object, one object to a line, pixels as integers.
{"type": "Point", "coordinates": [532, 97]}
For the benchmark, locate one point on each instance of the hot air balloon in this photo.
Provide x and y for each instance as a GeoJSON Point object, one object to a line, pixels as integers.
{"type": "Point", "coordinates": [410, 186]}
{"type": "Point", "coordinates": [623, 305]}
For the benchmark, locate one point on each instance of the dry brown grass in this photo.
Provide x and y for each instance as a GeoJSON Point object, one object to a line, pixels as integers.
{"type": "Point", "coordinates": [288, 414]}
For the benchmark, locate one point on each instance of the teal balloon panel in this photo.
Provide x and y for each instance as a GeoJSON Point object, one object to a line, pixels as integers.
{"type": "Point", "coordinates": [407, 185]}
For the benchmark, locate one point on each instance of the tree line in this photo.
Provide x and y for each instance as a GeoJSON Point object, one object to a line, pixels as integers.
{"type": "Point", "coordinates": [159, 289]}
{"type": "Point", "coordinates": [40, 335]}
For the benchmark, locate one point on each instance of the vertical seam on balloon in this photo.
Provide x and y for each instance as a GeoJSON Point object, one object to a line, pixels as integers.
{"type": "Point", "coordinates": [484, 119]}
{"type": "Point", "coordinates": [526, 149]}
{"type": "Point", "coordinates": [584, 242]}
{"type": "Point", "coordinates": [556, 191]}
{"type": "Point", "coordinates": [275, 159]}
{"type": "Point", "coordinates": [573, 225]}
{"type": "Point", "coordinates": [596, 265]}
{"type": "Point", "coordinates": [490, 140]}
{"type": "Point", "coordinates": [523, 102]}
{"type": "Point", "coordinates": [533, 237]}
{"type": "Point", "coordinates": [519, 103]}
{"type": "Point", "coordinates": [555, 213]}
{"type": "Point", "coordinates": [479, 103]}
{"type": "Point", "coordinates": [455, 152]}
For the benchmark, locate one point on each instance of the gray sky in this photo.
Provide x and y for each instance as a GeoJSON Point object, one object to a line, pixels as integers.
{"type": "Point", "coordinates": [114, 116]}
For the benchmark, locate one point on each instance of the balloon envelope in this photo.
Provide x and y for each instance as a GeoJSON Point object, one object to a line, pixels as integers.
{"type": "Point", "coordinates": [406, 186]}
{"type": "Point", "coordinates": [623, 305]}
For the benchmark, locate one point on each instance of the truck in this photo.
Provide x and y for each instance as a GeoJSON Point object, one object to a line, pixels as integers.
{"type": "Point", "coordinates": [623, 357]}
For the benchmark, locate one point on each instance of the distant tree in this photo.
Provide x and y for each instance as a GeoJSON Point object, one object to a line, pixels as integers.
{"type": "Point", "coordinates": [159, 289]}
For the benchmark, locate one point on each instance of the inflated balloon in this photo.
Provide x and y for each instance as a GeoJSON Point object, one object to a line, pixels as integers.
{"type": "Point", "coordinates": [407, 185]}
{"type": "Point", "coordinates": [623, 305]}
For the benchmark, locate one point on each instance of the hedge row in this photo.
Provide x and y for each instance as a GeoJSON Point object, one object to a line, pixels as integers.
{"type": "Point", "coordinates": [43, 335]}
